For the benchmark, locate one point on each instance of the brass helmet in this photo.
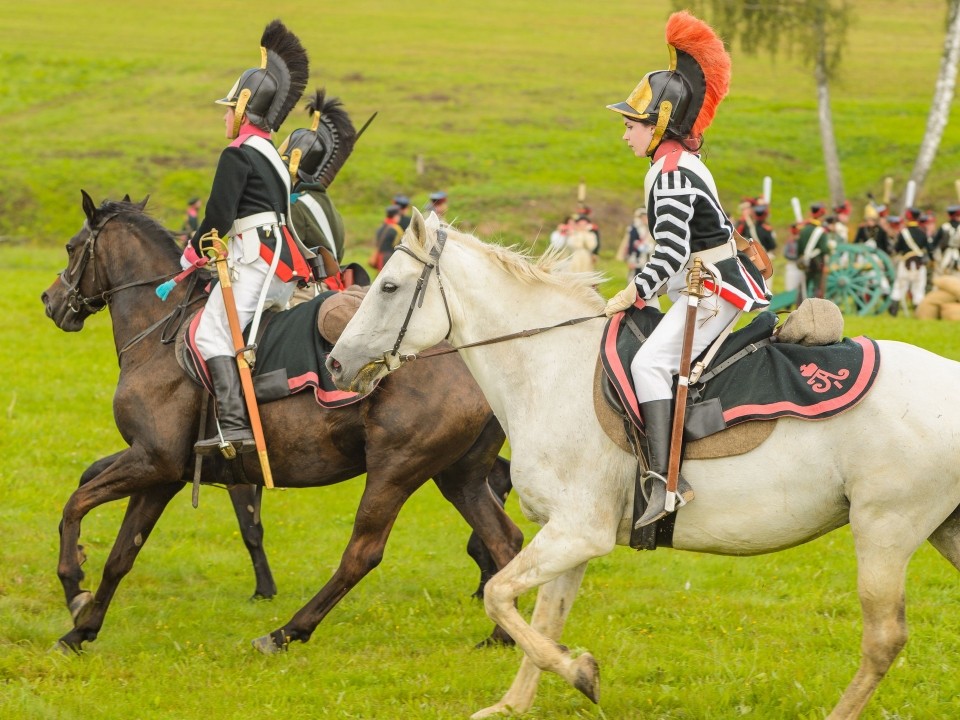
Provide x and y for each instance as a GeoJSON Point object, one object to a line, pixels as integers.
{"type": "Point", "coordinates": [682, 100]}
{"type": "Point", "coordinates": [317, 153]}
{"type": "Point", "coordinates": [265, 95]}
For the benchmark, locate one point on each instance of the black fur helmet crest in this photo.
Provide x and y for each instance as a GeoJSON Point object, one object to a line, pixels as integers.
{"type": "Point", "coordinates": [264, 96]}
{"type": "Point", "coordinates": [316, 154]}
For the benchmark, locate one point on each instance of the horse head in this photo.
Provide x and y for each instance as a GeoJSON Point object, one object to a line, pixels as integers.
{"type": "Point", "coordinates": [404, 311]}
{"type": "Point", "coordinates": [100, 258]}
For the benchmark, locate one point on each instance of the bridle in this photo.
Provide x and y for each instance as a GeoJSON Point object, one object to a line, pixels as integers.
{"type": "Point", "coordinates": [418, 294]}
{"type": "Point", "coordinates": [75, 298]}
{"type": "Point", "coordinates": [417, 301]}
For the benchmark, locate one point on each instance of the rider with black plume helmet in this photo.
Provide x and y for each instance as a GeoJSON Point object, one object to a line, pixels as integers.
{"type": "Point", "coordinates": [249, 204]}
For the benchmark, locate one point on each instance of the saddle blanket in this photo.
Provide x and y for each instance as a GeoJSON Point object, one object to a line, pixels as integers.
{"type": "Point", "coordinates": [769, 380]}
{"type": "Point", "coordinates": [290, 356]}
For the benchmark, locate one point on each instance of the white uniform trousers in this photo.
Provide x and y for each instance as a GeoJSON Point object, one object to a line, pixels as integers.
{"type": "Point", "coordinates": [912, 279]}
{"type": "Point", "coordinates": [795, 279]}
{"type": "Point", "coordinates": [213, 331]}
{"type": "Point", "coordinates": [658, 360]}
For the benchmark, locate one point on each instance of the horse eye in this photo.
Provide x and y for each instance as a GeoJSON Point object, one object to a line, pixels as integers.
{"type": "Point", "coordinates": [69, 249]}
{"type": "Point", "coordinates": [389, 287]}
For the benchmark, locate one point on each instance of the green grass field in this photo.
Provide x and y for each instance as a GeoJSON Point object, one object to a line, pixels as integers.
{"type": "Point", "coordinates": [505, 102]}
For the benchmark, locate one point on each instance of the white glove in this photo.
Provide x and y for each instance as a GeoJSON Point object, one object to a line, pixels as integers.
{"type": "Point", "coordinates": [622, 300]}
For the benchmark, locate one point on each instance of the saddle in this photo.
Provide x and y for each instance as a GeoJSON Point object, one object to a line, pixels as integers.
{"type": "Point", "coordinates": [734, 404]}
{"type": "Point", "coordinates": [291, 349]}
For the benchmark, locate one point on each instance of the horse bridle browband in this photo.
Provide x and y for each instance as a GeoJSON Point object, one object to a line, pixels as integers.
{"type": "Point", "coordinates": [417, 301]}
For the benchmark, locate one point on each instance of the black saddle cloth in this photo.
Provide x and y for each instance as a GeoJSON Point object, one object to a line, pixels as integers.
{"type": "Point", "coordinates": [768, 380]}
{"type": "Point", "coordinates": [290, 356]}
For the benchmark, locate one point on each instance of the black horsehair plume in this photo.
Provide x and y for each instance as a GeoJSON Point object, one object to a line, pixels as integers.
{"type": "Point", "coordinates": [337, 121]}
{"type": "Point", "coordinates": [283, 47]}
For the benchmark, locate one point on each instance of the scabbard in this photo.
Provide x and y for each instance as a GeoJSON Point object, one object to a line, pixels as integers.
{"type": "Point", "coordinates": [694, 293]}
{"type": "Point", "coordinates": [246, 377]}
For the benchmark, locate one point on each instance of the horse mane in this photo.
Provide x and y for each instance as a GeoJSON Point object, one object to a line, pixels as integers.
{"type": "Point", "coordinates": [548, 268]}
{"type": "Point", "coordinates": [134, 214]}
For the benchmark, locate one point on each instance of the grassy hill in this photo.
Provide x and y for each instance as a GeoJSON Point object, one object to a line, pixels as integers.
{"type": "Point", "coordinates": [504, 101]}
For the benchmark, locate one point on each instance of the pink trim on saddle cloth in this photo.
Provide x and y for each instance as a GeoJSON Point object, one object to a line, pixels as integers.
{"type": "Point", "coordinates": [296, 384]}
{"type": "Point", "coordinates": [850, 398]}
{"type": "Point", "coordinates": [622, 375]}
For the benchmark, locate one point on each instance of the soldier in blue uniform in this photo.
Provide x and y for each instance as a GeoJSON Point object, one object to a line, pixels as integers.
{"type": "Point", "coordinates": [248, 206]}
{"type": "Point", "coordinates": [664, 118]}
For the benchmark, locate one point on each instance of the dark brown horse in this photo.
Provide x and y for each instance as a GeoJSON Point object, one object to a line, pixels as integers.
{"type": "Point", "coordinates": [400, 436]}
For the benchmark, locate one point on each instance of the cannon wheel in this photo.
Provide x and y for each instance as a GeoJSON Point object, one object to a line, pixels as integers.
{"type": "Point", "coordinates": [860, 279]}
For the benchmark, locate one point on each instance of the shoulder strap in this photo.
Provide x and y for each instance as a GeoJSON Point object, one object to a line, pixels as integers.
{"type": "Point", "coordinates": [321, 217]}
{"type": "Point", "coordinates": [810, 249]}
{"type": "Point", "coordinates": [911, 243]}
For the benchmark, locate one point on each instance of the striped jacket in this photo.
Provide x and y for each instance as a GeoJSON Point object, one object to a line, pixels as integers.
{"type": "Point", "coordinates": [685, 216]}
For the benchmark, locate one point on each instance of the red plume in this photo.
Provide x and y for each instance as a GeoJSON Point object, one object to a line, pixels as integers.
{"type": "Point", "coordinates": [697, 39]}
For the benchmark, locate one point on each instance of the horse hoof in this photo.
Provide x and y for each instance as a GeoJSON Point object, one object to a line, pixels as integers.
{"type": "Point", "coordinates": [76, 606]}
{"type": "Point", "coordinates": [587, 676]}
{"type": "Point", "coordinates": [271, 644]}
{"type": "Point", "coordinates": [494, 710]}
{"type": "Point", "coordinates": [498, 638]}
{"type": "Point", "coordinates": [63, 648]}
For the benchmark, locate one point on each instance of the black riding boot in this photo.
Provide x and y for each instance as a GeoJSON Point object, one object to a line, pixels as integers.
{"type": "Point", "coordinates": [658, 424]}
{"type": "Point", "coordinates": [231, 409]}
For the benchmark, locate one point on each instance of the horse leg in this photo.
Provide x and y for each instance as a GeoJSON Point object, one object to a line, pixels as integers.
{"type": "Point", "coordinates": [464, 485]}
{"type": "Point", "coordinates": [554, 601]}
{"type": "Point", "coordinates": [246, 504]}
{"type": "Point", "coordinates": [376, 513]}
{"type": "Point", "coordinates": [884, 546]}
{"type": "Point", "coordinates": [500, 485]}
{"type": "Point", "coordinates": [141, 516]}
{"type": "Point", "coordinates": [556, 551]}
{"type": "Point", "coordinates": [946, 539]}
{"type": "Point", "coordinates": [89, 474]}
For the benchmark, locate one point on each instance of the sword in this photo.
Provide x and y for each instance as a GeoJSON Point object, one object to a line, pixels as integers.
{"type": "Point", "coordinates": [216, 249]}
{"type": "Point", "coordinates": [694, 295]}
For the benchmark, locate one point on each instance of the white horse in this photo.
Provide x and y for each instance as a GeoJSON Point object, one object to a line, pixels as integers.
{"type": "Point", "coordinates": [888, 466]}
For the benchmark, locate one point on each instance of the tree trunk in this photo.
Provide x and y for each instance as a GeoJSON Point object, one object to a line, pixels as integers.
{"type": "Point", "coordinates": [828, 140]}
{"type": "Point", "coordinates": [942, 97]}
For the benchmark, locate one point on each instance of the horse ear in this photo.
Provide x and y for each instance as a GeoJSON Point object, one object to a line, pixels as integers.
{"type": "Point", "coordinates": [126, 198]}
{"type": "Point", "coordinates": [418, 228]}
{"type": "Point", "coordinates": [143, 203]}
{"type": "Point", "coordinates": [88, 206]}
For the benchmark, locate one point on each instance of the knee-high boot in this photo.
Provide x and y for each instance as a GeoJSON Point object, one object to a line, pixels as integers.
{"type": "Point", "coordinates": [658, 425]}
{"type": "Point", "coordinates": [231, 409]}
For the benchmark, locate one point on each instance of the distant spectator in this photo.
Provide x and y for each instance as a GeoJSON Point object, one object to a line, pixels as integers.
{"type": "Point", "coordinates": [585, 211]}
{"type": "Point", "coordinates": [191, 222]}
{"type": "Point", "coordinates": [387, 238]}
{"type": "Point", "coordinates": [558, 238]}
{"type": "Point", "coordinates": [403, 202]}
{"type": "Point", "coordinates": [636, 245]}
{"type": "Point", "coordinates": [437, 204]}
{"type": "Point", "coordinates": [581, 243]}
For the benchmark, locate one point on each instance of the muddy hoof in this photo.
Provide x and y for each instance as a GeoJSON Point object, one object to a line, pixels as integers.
{"type": "Point", "coordinates": [271, 644]}
{"type": "Point", "coordinates": [587, 676]}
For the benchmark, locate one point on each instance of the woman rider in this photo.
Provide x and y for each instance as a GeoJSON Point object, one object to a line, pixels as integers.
{"type": "Point", "coordinates": [665, 117]}
{"type": "Point", "coordinates": [249, 204]}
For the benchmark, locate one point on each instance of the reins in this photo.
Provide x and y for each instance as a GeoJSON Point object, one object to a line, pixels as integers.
{"type": "Point", "coordinates": [96, 303]}
{"type": "Point", "coordinates": [500, 338]}
{"type": "Point", "coordinates": [417, 301]}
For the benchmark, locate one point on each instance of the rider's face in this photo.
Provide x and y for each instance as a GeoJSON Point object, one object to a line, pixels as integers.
{"type": "Point", "coordinates": [637, 136]}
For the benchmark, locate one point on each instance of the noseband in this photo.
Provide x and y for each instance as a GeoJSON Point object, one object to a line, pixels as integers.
{"type": "Point", "coordinates": [417, 300]}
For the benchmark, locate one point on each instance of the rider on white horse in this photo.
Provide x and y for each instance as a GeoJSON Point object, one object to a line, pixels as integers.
{"type": "Point", "coordinates": [665, 117]}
